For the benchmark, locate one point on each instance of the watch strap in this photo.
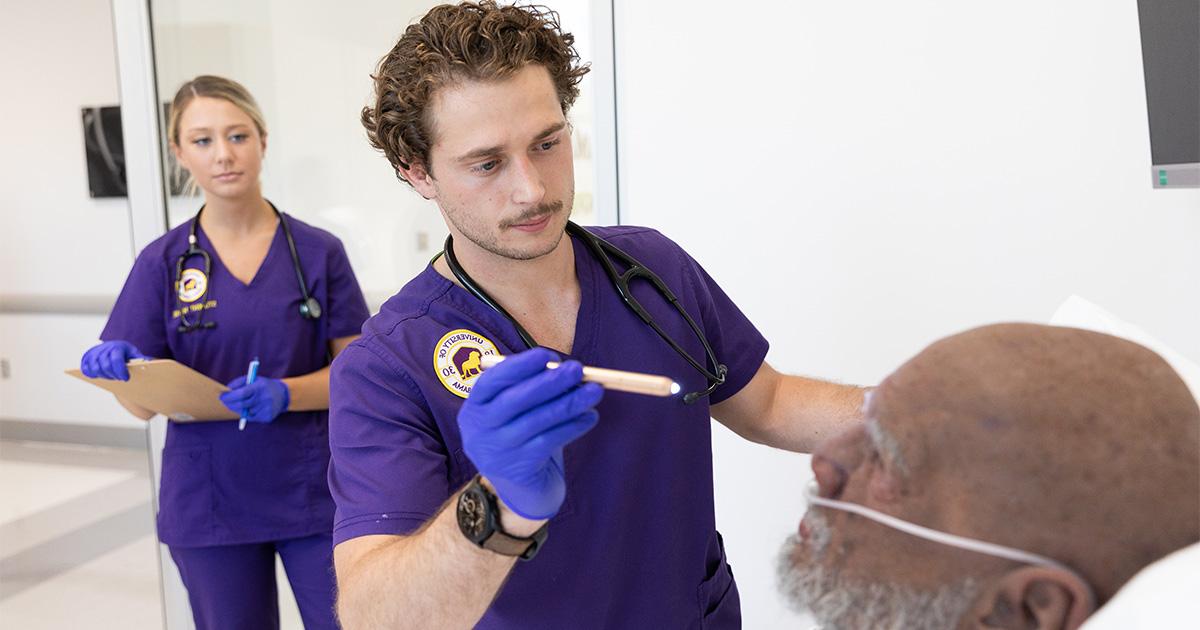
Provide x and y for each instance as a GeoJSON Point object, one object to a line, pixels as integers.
{"type": "Point", "coordinates": [508, 545]}
{"type": "Point", "coordinates": [494, 538]}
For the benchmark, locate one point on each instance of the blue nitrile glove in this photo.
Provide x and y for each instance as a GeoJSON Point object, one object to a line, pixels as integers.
{"type": "Point", "coordinates": [260, 401]}
{"type": "Point", "coordinates": [108, 359]}
{"type": "Point", "coordinates": [516, 422]}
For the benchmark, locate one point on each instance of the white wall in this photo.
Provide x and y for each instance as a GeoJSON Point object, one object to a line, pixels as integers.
{"type": "Point", "coordinates": [55, 241]}
{"type": "Point", "coordinates": [308, 65]}
{"type": "Point", "coordinates": [865, 178]}
{"type": "Point", "coordinates": [57, 57]}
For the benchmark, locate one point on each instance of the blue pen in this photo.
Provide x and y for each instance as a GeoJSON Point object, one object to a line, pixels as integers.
{"type": "Point", "coordinates": [251, 374]}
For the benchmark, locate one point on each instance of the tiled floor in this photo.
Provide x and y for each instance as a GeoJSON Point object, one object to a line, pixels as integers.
{"type": "Point", "coordinates": [77, 545]}
{"type": "Point", "coordinates": [76, 538]}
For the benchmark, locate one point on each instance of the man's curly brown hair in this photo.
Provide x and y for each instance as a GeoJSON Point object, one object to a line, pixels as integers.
{"type": "Point", "coordinates": [471, 41]}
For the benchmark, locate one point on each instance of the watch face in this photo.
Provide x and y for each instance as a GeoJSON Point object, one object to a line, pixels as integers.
{"type": "Point", "coordinates": [472, 514]}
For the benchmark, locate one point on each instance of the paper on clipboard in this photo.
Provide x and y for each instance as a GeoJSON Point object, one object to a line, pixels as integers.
{"type": "Point", "coordinates": [169, 388]}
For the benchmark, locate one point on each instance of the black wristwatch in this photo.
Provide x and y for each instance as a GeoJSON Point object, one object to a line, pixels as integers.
{"type": "Point", "coordinates": [479, 520]}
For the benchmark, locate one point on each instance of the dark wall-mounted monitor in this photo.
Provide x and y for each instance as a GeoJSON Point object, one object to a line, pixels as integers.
{"type": "Point", "coordinates": [1171, 59]}
{"type": "Point", "coordinates": [105, 147]}
{"type": "Point", "coordinates": [105, 151]}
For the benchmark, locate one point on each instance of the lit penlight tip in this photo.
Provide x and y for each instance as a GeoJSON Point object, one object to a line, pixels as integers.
{"type": "Point", "coordinates": [674, 388]}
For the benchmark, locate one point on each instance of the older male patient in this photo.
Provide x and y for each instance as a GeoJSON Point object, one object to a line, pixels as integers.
{"type": "Point", "coordinates": [1076, 452]}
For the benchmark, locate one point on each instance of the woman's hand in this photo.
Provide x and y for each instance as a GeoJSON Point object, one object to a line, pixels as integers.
{"type": "Point", "coordinates": [108, 359]}
{"type": "Point", "coordinates": [260, 401]}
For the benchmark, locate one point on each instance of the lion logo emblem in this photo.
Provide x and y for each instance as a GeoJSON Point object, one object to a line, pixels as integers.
{"type": "Point", "coordinates": [457, 358]}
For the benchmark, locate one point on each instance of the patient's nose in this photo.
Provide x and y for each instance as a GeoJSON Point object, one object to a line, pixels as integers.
{"type": "Point", "coordinates": [833, 460]}
{"type": "Point", "coordinates": [831, 477]}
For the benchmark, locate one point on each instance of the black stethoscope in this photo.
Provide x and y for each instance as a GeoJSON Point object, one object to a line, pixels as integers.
{"type": "Point", "coordinates": [604, 252]}
{"type": "Point", "coordinates": [310, 308]}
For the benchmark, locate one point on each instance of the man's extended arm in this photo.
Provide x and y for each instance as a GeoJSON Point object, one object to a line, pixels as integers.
{"type": "Point", "coordinates": [790, 412]}
{"type": "Point", "coordinates": [435, 578]}
{"type": "Point", "coordinates": [514, 425]}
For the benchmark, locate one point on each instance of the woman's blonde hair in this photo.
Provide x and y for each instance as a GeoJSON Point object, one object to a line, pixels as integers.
{"type": "Point", "coordinates": [210, 86]}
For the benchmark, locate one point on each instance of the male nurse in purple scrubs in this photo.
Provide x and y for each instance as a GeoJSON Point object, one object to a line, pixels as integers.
{"type": "Point", "coordinates": [521, 497]}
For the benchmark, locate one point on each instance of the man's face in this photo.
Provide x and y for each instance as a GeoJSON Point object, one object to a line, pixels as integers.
{"type": "Point", "coordinates": [850, 572]}
{"type": "Point", "coordinates": [500, 167]}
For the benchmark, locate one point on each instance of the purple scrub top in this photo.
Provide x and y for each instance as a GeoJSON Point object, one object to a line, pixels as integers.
{"type": "Point", "coordinates": [635, 544]}
{"type": "Point", "coordinates": [221, 486]}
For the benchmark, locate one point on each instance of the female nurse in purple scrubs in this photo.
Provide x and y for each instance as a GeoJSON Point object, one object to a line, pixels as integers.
{"type": "Point", "coordinates": [241, 280]}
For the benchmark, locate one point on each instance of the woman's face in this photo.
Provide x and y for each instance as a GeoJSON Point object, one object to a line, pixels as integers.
{"type": "Point", "coordinates": [221, 147]}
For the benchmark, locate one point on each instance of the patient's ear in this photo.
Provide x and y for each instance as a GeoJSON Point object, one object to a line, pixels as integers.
{"type": "Point", "coordinates": [1039, 598]}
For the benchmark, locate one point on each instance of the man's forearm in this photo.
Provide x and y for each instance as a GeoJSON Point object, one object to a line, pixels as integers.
{"type": "Point", "coordinates": [435, 578]}
{"type": "Point", "coordinates": [809, 411]}
{"type": "Point", "coordinates": [790, 412]}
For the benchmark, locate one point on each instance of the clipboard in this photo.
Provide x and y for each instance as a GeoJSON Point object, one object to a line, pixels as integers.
{"type": "Point", "coordinates": [169, 388]}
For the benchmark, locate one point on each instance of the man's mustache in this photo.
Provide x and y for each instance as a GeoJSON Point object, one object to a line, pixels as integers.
{"type": "Point", "coordinates": [533, 214]}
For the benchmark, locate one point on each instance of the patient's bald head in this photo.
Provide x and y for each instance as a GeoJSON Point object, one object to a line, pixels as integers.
{"type": "Point", "coordinates": [1071, 444]}
{"type": "Point", "coordinates": [1074, 442]}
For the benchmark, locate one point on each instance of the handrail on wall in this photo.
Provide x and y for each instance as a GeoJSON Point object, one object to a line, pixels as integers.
{"type": "Point", "coordinates": [56, 304]}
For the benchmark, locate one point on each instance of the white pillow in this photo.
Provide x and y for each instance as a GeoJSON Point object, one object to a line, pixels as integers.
{"type": "Point", "coordinates": [1164, 595]}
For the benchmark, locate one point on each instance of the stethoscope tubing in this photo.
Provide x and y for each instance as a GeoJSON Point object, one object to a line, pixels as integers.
{"type": "Point", "coordinates": [310, 307]}
{"type": "Point", "coordinates": [603, 251]}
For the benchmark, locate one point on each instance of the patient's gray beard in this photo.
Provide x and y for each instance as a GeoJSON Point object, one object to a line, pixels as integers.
{"type": "Point", "coordinates": [839, 603]}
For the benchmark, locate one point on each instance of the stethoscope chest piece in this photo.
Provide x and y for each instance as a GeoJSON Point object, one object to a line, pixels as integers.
{"type": "Point", "coordinates": [310, 308]}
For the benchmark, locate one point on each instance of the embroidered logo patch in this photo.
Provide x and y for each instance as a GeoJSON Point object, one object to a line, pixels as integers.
{"type": "Point", "coordinates": [456, 359]}
{"type": "Point", "coordinates": [192, 283]}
